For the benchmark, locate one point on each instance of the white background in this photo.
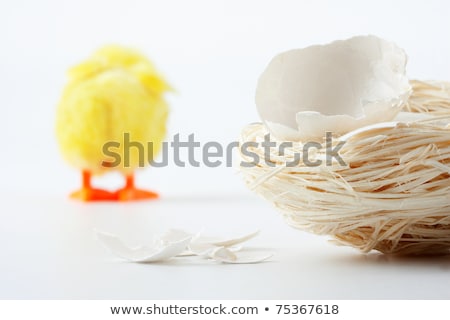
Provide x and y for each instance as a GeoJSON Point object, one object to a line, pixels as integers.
{"type": "Point", "coordinates": [212, 52]}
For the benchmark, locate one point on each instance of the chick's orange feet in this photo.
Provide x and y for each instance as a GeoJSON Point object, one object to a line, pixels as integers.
{"type": "Point", "coordinates": [131, 193]}
{"type": "Point", "coordinates": [128, 193]}
{"type": "Point", "coordinates": [87, 193]}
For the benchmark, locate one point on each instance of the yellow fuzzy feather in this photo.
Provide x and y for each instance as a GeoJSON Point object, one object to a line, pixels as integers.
{"type": "Point", "coordinates": [115, 91]}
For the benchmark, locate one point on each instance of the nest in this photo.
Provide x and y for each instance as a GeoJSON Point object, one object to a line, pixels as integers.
{"type": "Point", "coordinates": [392, 194]}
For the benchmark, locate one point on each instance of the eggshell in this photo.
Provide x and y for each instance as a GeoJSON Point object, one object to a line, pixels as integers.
{"type": "Point", "coordinates": [337, 87]}
{"type": "Point", "coordinates": [226, 256]}
{"type": "Point", "coordinates": [152, 253]}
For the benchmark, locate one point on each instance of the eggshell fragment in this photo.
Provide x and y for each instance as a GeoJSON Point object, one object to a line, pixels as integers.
{"type": "Point", "coordinates": [203, 249]}
{"type": "Point", "coordinates": [337, 87]}
{"type": "Point", "coordinates": [200, 249]}
{"type": "Point", "coordinates": [223, 254]}
{"type": "Point", "coordinates": [154, 253]}
{"type": "Point", "coordinates": [203, 245]}
{"type": "Point", "coordinates": [179, 243]}
{"type": "Point", "coordinates": [173, 235]}
{"type": "Point", "coordinates": [226, 256]}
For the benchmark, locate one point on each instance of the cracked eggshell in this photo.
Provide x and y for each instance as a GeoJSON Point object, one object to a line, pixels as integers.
{"type": "Point", "coordinates": [173, 235]}
{"type": "Point", "coordinates": [234, 241]}
{"type": "Point", "coordinates": [224, 255]}
{"type": "Point", "coordinates": [204, 245]}
{"type": "Point", "coordinates": [204, 249]}
{"type": "Point", "coordinates": [337, 87]}
{"type": "Point", "coordinates": [154, 253]}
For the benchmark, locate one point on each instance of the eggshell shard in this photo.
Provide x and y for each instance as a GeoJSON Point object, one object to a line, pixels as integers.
{"type": "Point", "coordinates": [179, 243]}
{"type": "Point", "coordinates": [204, 245]}
{"type": "Point", "coordinates": [337, 87]}
{"type": "Point", "coordinates": [153, 253]}
{"type": "Point", "coordinates": [224, 255]}
{"type": "Point", "coordinates": [234, 241]}
{"type": "Point", "coordinates": [173, 235]}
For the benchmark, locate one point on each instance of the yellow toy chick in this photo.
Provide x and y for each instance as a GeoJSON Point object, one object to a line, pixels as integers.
{"type": "Point", "coordinates": [115, 93]}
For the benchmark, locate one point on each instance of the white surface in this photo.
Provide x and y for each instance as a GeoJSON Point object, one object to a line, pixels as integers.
{"type": "Point", "coordinates": [48, 250]}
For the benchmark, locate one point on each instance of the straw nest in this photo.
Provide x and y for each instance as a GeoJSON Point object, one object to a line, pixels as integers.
{"type": "Point", "coordinates": [391, 195]}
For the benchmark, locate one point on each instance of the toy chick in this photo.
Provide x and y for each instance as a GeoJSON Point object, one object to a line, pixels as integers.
{"type": "Point", "coordinates": [115, 93]}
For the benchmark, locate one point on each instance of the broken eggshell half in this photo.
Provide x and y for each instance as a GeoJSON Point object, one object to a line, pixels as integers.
{"type": "Point", "coordinates": [337, 87]}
